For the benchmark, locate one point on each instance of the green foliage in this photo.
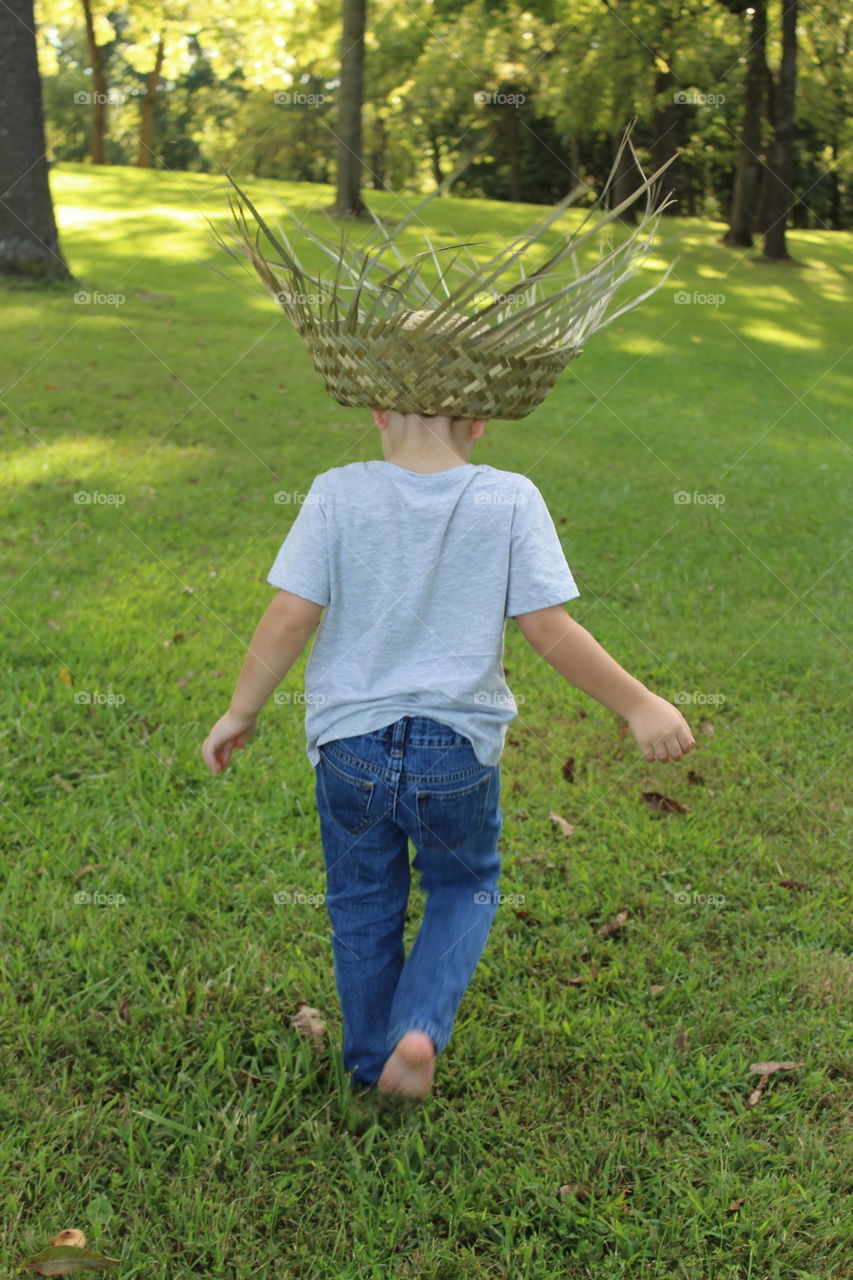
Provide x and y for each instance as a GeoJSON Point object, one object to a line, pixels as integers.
{"type": "Point", "coordinates": [153, 1091]}
{"type": "Point", "coordinates": [562, 79]}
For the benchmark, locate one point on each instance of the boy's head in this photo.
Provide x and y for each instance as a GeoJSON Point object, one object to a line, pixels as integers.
{"type": "Point", "coordinates": [427, 433]}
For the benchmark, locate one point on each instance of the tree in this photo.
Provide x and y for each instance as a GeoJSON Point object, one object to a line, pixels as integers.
{"type": "Point", "coordinates": [29, 244]}
{"type": "Point", "coordinates": [146, 118]}
{"type": "Point", "coordinates": [98, 135]}
{"type": "Point", "coordinates": [348, 201]}
{"type": "Point", "coordinates": [780, 161]}
{"type": "Point", "coordinates": [749, 165]}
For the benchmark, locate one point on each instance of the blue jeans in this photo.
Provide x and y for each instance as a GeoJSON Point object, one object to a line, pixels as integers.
{"type": "Point", "coordinates": [415, 779]}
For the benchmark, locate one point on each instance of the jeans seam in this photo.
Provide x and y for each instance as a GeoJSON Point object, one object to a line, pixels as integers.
{"type": "Point", "coordinates": [387, 774]}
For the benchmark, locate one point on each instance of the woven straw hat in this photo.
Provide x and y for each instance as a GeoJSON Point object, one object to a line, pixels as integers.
{"type": "Point", "coordinates": [379, 338]}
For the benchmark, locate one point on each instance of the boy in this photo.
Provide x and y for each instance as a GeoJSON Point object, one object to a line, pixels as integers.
{"type": "Point", "coordinates": [415, 649]}
{"type": "Point", "coordinates": [418, 560]}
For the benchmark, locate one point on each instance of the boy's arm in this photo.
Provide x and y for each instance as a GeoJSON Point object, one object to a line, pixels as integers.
{"type": "Point", "coordinates": [659, 728]}
{"type": "Point", "coordinates": [280, 637]}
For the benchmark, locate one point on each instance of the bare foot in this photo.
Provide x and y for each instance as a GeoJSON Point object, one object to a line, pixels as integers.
{"type": "Point", "coordinates": [409, 1070]}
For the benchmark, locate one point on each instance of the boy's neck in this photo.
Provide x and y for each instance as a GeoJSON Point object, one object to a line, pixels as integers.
{"type": "Point", "coordinates": [424, 466]}
{"type": "Point", "coordinates": [439, 456]}
{"type": "Point", "coordinates": [428, 445]}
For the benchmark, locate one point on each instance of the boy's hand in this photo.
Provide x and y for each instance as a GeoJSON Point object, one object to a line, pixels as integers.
{"type": "Point", "coordinates": [230, 731]}
{"type": "Point", "coordinates": [660, 730]}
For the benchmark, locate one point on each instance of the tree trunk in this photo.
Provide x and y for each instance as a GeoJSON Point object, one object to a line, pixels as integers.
{"type": "Point", "coordinates": [29, 245]}
{"type": "Point", "coordinates": [835, 199]}
{"type": "Point", "coordinates": [750, 160]}
{"type": "Point", "coordinates": [780, 165]}
{"type": "Point", "coordinates": [98, 133]}
{"type": "Point", "coordinates": [379, 155]}
{"type": "Point", "coordinates": [575, 154]}
{"type": "Point", "coordinates": [146, 123]}
{"type": "Point", "coordinates": [348, 201]}
{"type": "Point", "coordinates": [761, 220]}
{"type": "Point", "coordinates": [435, 158]}
{"type": "Point", "coordinates": [513, 147]}
{"type": "Point", "coordinates": [666, 118]}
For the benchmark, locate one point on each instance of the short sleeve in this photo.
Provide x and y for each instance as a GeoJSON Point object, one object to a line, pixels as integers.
{"type": "Point", "coordinates": [539, 575]}
{"type": "Point", "coordinates": [302, 564]}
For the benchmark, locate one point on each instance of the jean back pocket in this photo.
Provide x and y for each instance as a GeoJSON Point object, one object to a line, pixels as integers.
{"type": "Point", "coordinates": [348, 798]}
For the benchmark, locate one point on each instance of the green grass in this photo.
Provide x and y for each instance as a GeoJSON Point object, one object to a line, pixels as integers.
{"type": "Point", "coordinates": [154, 1092]}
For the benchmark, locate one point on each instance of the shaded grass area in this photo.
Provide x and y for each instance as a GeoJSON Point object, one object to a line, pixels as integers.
{"type": "Point", "coordinates": [154, 1093]}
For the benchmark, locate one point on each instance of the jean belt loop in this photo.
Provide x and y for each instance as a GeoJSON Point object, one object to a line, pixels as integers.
{"type": "Point", "coordinates": [399, 740]}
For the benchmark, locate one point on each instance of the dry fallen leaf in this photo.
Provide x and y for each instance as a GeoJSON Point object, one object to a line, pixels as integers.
{"type": "Point", "coordinates": [62, 782]}
{"type": "Point", "coordinates": [613, 926]}
{"type": "Point", "coordinates": [706, 727]}
{"type": "Point", "coordinates": [83, 871]}
{"type": "Point", "coordinates": [66, 677]}
{"type": "Point", "coordinates": [566, 827]}
{"type": "Point", "coordinates": [681, 1040]}
{"type": "Point", "coordinates": [525, 916]}
{"type": "Point", "coordinates": [575, 982]}
{"type": "Point", "coordinates": [247, 1075]}
{"type": "Point", "coordinates": [569, 769]}
{"type": "Point", "coordinates": [769, 1068]}
{"type": "Point", "coordinates": [662, 804]}
{"type": "Point", "coordinates": [736, 1204]}
{"type": "Point", "coordinates": [694, 780]}
{"type": "Point", "coordinates": [577, 1189]}
{"type": "Point", "coordinates": [308, 1023]}
{"type": "Point", "coordinates": [796, 884]}
{"type": "Point", "coordinates": [655, 988]}
{"type": "Point", "coordinates": [64, 1259]}
{"type": "Point", "coordinates": [70, 1236]}
{"type": "Point", "coordinates": [124, 1010]}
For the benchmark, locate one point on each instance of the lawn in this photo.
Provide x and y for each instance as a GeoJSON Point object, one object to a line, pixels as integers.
{"type": "Point", "coordinates": [592, 1116]}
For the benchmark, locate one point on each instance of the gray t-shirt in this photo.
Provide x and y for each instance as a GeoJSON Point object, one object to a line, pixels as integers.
{"type": "Point", "coordinates": [418, 574]}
